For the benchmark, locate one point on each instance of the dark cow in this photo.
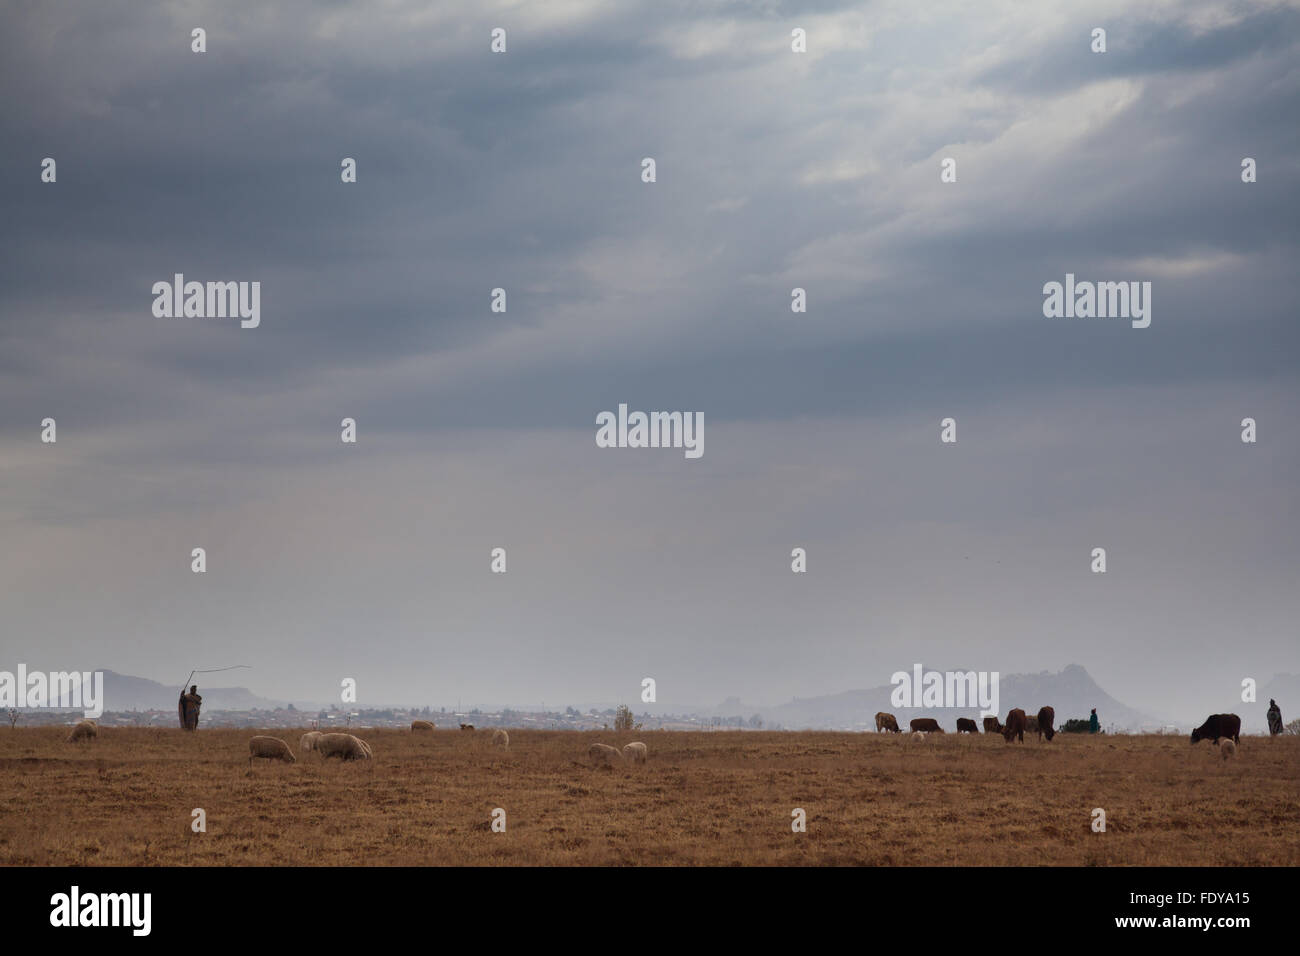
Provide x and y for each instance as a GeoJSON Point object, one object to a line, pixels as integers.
{"type": "Point", "coordinates": [927, 724]}
{"type": "Point", "coordinates": [992, 726]}
{"type": "Point", "coordinates": [466, 726]}
{"type": "Point", "coordinates": [966, 726]}
{"type": "Point", "coordinates": [885, 722]}
{"type": "Point", "coordinates": [1219, 725]}
{"type": "Point", "coordinates": [1046, 716]}
{"type": "Point", "coordinates": [1015, 726]}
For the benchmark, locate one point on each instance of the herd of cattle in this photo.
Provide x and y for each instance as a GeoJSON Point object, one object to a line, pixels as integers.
{"type": "Point", "coordinates": [1019, 723]}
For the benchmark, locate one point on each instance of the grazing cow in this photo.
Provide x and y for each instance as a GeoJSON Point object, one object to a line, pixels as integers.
{"type": "Point", "coordinates": [466, 726]}
{"type": "Point", "coordinates": [1015, 726]}
{"type": "Point", "coordinates": [992, 725]}
{"type": "Point", "coordinates": [1046, 716]}
{"type": "Point", "coordinates": [966, 726]}
{"type": "Point", "coordinates": [927, 724]}
{"type": "Point", "coordinates": [885, 722]}
{"type": "Point", "coordinates": [1031, 724]}
{"type": "Point", "coordinates": [1219, 725]}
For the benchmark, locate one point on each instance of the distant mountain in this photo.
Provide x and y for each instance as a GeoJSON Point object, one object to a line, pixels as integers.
{"type": "Point", "coordinates": [1072, 693]}
{"type": "Point", "coordinates": [124, 692]}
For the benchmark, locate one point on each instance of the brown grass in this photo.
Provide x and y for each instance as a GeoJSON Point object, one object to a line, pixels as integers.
{"type": "Point", "coordinates": [703, 798]}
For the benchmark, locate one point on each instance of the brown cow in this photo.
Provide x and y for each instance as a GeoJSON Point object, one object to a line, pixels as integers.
{"type": "Point", "coordinates": [927, 724]}
{"type": "Point", "coordinates": [1219, 725]}
{"type": "Point", "coordinates": [966, 726]}
{"type": "Point", "coordinates": [466, 726]}
{"type": "Point", "coordinates": [885, 722]}
{"type": "Point", "coordinates": [1046, 715]}
{"type": "Point", "coordinates": [992, 726]}
{"type": "Point", "coordinates": [1015, 726]}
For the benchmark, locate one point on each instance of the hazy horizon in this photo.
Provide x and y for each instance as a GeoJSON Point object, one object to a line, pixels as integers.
{"type": "Point", "coordinates": [477, 430]}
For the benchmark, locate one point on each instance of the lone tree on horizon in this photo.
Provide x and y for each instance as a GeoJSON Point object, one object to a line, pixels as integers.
{"type": "Point", "coordinates": [623, 719]}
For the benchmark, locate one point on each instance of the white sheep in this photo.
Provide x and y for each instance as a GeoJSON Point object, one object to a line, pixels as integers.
{"type": "Point", "coordinates": [85, 730]}
{"type": "Point", "coordinates": [1227, 748]}
{"type": "Point", "coordinates": [343, 746]}
{"type": "Point", "coordinates": [635, 752]}
{"type": "Point", "coordinates": [417, 725]}
{"type": "Point", "coordinates": [918, 736]}
{"type": "Point", "coordinates": [501, 739]}
{"type": "Point", "coordinates": [271, 748]}
{"type": "Point", "coordinates": [604, 754]}
{"type": "Point", "coordinates": [308, 742]}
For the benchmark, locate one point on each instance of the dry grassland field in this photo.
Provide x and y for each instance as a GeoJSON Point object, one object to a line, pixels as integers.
{"type": "Point", "coordinates": [701, 799]}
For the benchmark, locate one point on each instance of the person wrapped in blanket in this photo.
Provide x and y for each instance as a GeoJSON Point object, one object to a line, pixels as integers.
{"type": "Point", "coordinates": [189, 708]}
{"type": "Point", "coordinates": [1274, 717]}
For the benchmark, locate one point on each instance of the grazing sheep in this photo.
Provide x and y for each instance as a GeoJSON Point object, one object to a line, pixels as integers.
{"type": "Point", "coordinates": [272, 748]}
{"type": "Point", "coordinates": [635, 752]}
{"type": "Point", "coordinates": [307, 743]}
{"type": "Point", "coordinates": [466, 726]}
{"type": "Point", "coordinates": [604, 754]}
{"type": "Point", "coordinates": [500, 739]}
{"type": "Point", "coordinates": [85, 730]}
{"type": "Point", "coordinates": [918, 736]}
{"type": "Point", "coordinates": [343, 746]}
{"type": "Point", "coordinates": [1227, 748]}
{"type": "Point", "coordinates": [421, 725]}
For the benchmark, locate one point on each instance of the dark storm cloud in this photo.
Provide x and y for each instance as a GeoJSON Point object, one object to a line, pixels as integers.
{"type": "Point", "coordinates": [522, 171]}
{"type": "Point", "coordinates": [1142, 45]}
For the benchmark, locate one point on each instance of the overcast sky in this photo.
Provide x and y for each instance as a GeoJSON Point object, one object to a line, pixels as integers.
{"type": "Point", "coordinates": [477, 430]}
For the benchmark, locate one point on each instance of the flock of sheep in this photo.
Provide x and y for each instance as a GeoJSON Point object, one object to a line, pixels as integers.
{"type": "Point", "coordinates": [343, 746]}
{"type": "Point", "coordinates": [348, 747]}
{"type": "Point", "coordinates": [603, 755]}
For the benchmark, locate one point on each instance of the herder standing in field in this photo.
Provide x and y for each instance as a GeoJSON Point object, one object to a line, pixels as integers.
{"type": "Point", "coordinates": [1094, 724]}
{"type": "Point", "coordinates": [189, 708]}
{"type": "Point", "coordinates": [1274, 717]}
